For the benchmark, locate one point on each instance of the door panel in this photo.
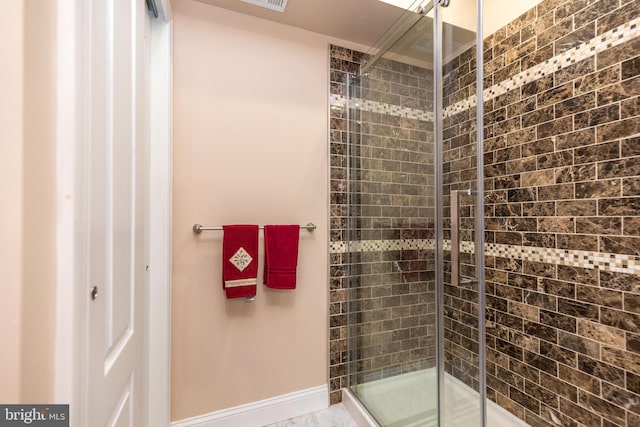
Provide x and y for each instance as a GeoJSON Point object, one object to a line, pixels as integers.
{"type": "Point", "coordinates": [116, 208]}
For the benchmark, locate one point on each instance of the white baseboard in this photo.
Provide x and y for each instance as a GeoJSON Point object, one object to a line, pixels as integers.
{"type": "Point", "coordinates": [264, 412]}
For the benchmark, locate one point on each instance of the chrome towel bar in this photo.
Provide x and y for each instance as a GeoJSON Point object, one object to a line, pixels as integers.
{"type": "Point", "coordinates": [199, 228]}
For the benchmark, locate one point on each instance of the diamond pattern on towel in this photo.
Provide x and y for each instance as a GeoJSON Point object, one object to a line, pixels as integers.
{"type": "Point", "coordinates": [241, 259]}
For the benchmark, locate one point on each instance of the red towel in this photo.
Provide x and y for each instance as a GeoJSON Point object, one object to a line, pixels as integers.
{"type": "Point", "coordinates": [240, 260]}
{"type": "Point", "coordinates": [281, 255]}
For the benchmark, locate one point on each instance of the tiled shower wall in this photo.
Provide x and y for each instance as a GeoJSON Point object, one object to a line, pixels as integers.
{"type": "Point", "coordinates": [562, 180]}
{"type": "Point", "coordinates": [382, 226]}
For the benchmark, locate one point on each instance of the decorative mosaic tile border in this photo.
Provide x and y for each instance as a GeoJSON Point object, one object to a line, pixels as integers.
{"type": "Point", "coordinates": [618, 263]}
{"type": "Point", "coordinates": [382, 108]}
{"type": "Point", "coordinates": [611, 38]}
{"type": "Point", "coordinates": [381, 245]}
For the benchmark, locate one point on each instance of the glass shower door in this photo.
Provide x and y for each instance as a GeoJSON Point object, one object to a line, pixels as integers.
{"type": "Point", "coordinates": [415, 333]}
{"type": "Point", "coordinates": [462, 354]}
{"type": "Point", "coordinates": [391, 199]}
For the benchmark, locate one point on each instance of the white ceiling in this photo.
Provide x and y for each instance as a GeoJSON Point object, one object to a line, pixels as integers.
{"type": "Point", "coordinates": [358, 21]}
{"type": "Point", "coordinates": [365, 21]}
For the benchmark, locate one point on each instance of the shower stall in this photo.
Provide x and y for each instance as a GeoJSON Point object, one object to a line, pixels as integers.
{"type": "Point", "coordinates": [485, 216]}
{"type": "Point", "coordinates": [415, 336]}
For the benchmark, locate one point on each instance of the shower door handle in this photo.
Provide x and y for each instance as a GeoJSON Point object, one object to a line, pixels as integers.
{"type": "Point", "coordinates": [457, 278]}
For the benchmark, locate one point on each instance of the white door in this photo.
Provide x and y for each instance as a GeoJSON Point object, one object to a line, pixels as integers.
{"type": "Point", "coordinates": [115, 211]}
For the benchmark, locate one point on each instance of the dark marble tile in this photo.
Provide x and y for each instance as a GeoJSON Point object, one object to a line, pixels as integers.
{"type": "Point", "coordinates": [630, 108]}
{"type": "Point", "coordinates": [618, 53]}
{"type": "Point", "coordinates": [537, 57]}
{"type": "Point", "coordinates": [601, 407]}
{"type": "Point", "coordinates": [631, 186]}
{"type": "Point", "coordinates": [619, 91]}
{"type": "Point", "coordinates": [599, 116]}
{"type": "Point", "coordinates": [576, 38]}
{"type": "Point", "coordinates": [559, 387]}
{"type": "Point", "coordinates": [619, 207]}
{"type": "Point", "coordinates": [629, 166]}
{"type": "Point", "coordinates": [601, 333]}
{"type": "Point", "coordinates": [630, 68]}
{"type": "Point", "coordinates": [579, 138]}
{"type": "Point", "coordinates": [539, 115]}
{"type": "Point", "coordinates": [633, 382]}
{"type": "Point", "coordinates": [584, 172]}
{"type": "Point", "coordinates": [521, 137]}
{"type": "Point", "coordinates": [620, 245]}
{"type": "Point", "coordinates": [633, 343]}
{"type": "Point", "coordinates": [555, 160]}
{"type": "Point", "coordinates": [556, 32]}
{"type": "Point", "coordinates": [540, 362]}
{"type": "Point", "coordinates": [618, 129]}
{"type": "Point", "coordinates": [621, 358]}
{"type": "Point", "coordinates": [602, 296]}
{"type": "Point", "coordinates": [539, 209]}
{"type": "Point", "coordinates": [565, 125]}
{"type": "Point", "coordinates": [597, 80]}
{"type": "Point", "coordinates": [558, 321]}
{"type": "Point", "coordinates": [631, 226]}
{"type": "Point", "coordinates": [524, 400]}
{"type": "Point", "coordinates": [578, 344]}
{"type": "Point", "coordinates": [537, 86]}
{"type": "Point", "coordinates": [539, 146]}
{"type": "Point", "coordinates": [618, 17]}
{"type": "Point", "coordinates": [594, 11]}
{"type": "Point", "coordinates": [598, 225]}
{"type": "Point", "coordinates": [576, 208]}
{"type": "Point", "coordinates": [555, 95]}
{"type": "Point", "coordinates": [619, 319]}
{"type": "Point", "coordinates": [577, 274]}
{"type": "Point", "coordinates": [521, 165]}
{"type": "Point", "coordinates": [574, 71]}
{"type": "Point", "coordinates": [621, 397]}
{"type": "Point", "coordinates": [556, 192]}
{"type": "Point", "coordinates": [578, 378]}
{"type": "Point", "coordinates": [576, 412]}
{"type": "Point", "coordinates": [518, 108]}
{"type": "Point", "coordinates": [578, 309]}
{"type": "Point", "coordinates": [556, 287]}
{"type": "Point", "coordinates": [597, 153]}
{"type": "Point", "coordinates": [557, 225]}
{"type": "Point", "coordinates": [599, 189]}
{"type": "Point", "coordinates": [541, 331]}
{"type": "Point", "coordinates": [575, 105]}
{"type": "Point", "coordinates": [568, 8]}
{"type": "Point", "coordinates": [558, 354]}
{"type": "Point", "coordinates": [543, 240]}
{"type": "Point", "coordinates": [620, 281]}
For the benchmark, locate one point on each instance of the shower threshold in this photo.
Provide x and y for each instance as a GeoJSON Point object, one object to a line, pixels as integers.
{"type": "Point", "coordinates": [393, 402]}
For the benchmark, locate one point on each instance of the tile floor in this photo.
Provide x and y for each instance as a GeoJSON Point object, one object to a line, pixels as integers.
{"type": "Point", "coordinates": [335, 416]}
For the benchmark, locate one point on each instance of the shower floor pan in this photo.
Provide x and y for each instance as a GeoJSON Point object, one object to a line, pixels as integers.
{"type": "Point", "coordinates": [407, 401]}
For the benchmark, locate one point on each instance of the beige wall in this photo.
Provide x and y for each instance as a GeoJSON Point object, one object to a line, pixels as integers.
{"type": "Point", "coordinates": [27, 191]}
{"type": "Point", "coordinates": [11, 85]}
{"type": "Point", "coordinates": [250, 146]}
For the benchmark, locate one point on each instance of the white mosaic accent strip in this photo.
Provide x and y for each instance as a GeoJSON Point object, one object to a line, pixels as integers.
{"type": "Point", "coordinates": [382, 108]}
{"type": "Point", "coordinates": [381, 245]}
{"type": "Point", "coordinates": [611, 38]}
{"type": "Point", "coordinates": [618, 263]}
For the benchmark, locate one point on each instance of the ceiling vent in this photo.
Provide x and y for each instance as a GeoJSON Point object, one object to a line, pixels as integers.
{"type": "Point", "coordinates": [277, 5]}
